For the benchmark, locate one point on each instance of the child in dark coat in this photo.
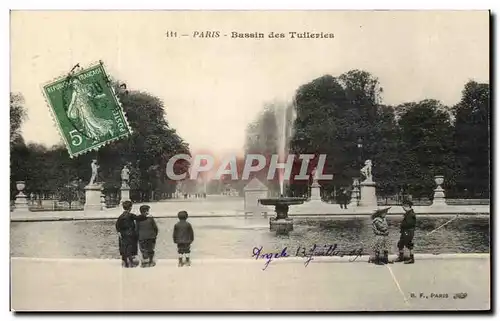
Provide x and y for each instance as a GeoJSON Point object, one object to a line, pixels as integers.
{"type": "Point", "coordinates": [183, 236]}
{"type": "Point", "coordinates": [125, 226]}
{"type": "Point", "coordinates": [147, 232]}
{"type": "Point", "coordinates": [407, 232]}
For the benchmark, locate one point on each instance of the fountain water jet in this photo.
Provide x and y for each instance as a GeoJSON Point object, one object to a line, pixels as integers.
{"type": "Point", "coordinates": [282, 224]}
{"type": "Point", "coordinates": [284, 134]}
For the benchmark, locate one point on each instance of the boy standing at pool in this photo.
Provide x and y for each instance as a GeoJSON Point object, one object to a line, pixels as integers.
{"type": "Point", "coordinates": [183, 236]}
{"type": "Point", "coordinates": [407, 232]}
{"type": "Point", "coordinates": [127, 239]}
{"type": "Point", "coordinates": [147, 232]}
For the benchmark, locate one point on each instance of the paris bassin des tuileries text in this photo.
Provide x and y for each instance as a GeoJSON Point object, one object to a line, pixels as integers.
{"type": "Point", "coordinates": [214, 34]}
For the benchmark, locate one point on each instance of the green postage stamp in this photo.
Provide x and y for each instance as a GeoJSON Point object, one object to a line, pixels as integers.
{"type": "Point", "coordinates": [86, 110]}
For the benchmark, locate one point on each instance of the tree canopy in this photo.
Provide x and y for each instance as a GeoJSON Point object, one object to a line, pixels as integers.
{"type": "Point", "coordinates": [344, 118]}
{"type": "Point", "coordinates": [335, 115]}
{"type": "Point", "coordinates": [471, 138]}
{"type": "Point", "coordinates": [147, 150]}
{"type": "Point", "coordinates": [17, 116]}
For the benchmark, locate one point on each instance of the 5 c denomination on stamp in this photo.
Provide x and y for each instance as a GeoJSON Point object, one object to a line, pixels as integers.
{"type": "Point", "coordinates": [87, 111]}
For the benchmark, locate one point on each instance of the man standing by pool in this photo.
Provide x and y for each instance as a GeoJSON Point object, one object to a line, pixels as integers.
{"type": "Point", "coordinates": [125, 226]}
{"type": "Point", "coordinates": [407, 232]}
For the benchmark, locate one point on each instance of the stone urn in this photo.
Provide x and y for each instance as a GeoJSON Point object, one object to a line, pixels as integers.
{"type": "Point", "coordinates": [439, 179]}
{"type": "Point", "coordinates": [20, 185]}
{"type": "Point", "coordinates": [21, 202]}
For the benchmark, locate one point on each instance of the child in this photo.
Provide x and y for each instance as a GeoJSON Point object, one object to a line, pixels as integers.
{"type": "Point", "coordinates": [407, 232]}
{"type": "Point", "coordinates": [381, 231]}
{"type": "Point", "coordinates": [183, 236]}
{"type": "Point", "coordinates": [345, 198]}
{"type": "Point", "coordinates": [125, 226]}
{"type": "Point", "coordinates": [147, 232]}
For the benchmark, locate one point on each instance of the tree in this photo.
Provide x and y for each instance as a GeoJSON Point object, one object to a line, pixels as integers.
{"type": "Point", "coordinates": [148, 149]}
{"type": "Point", "coordinates": [333, 113]}
{"type": "Point", "coordinates": [362, 89]}
{"type": "Point", "coordinates": [18, 150]}
{"type": "Point", "coordinates": [426, 146]}
{"type": "Point", "coordinates": [471, 137]}
{"type": "Point", "coordinates": [17, 116]}
{"type": "Point", "coordinates": [152, 143]}
{"type": "Point", "coordinates": [385, 149]}
{"type": "Point", "coordinates": [320, 107]}
{"type": "Point", "coordinates": [68, 193]}
{"type": "Point", "coordinates": [49, 169]}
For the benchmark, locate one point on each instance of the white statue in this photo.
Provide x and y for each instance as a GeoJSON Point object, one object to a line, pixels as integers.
{"type": "Point", "coordinates": [95, 167]}
{"type": "Point", "coordinates": [125, 176]}
{"type": "Point", "coordinates": [315, 175]}
{"type": "Point", "coordinates": [366, 171]}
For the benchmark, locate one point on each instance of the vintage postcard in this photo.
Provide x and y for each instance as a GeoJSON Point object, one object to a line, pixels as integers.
{"type": "Point", "coordinates": [250, 161]}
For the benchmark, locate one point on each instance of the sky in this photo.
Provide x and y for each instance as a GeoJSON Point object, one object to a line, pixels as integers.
{"type": "Point", "coordinates": [213, 87]}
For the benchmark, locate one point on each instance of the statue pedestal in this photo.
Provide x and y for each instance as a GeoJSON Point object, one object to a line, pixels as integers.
{"type": "Point", "coordinates": [21, 203]}
{"type": "Point", "coordinates": [439, 198]}
{"type": "Point", "coordinates": [368, 194]}
{"type": "Point", "coordinates": [124, 194]}
{"type": "Point", "coordinates": [315, 192]}
{"type": "Point", "coordinates": [314, 206]}
{"type": "Point", "coordinates": [93, 197]}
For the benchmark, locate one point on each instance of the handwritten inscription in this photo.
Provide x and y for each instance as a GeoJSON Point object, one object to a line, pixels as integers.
{"type": "Point", "coordinates": [258, 254]}
{"type": "Point", "coordinates": [308, 254]}
{"type": "Point", "coordinates": [327, 250]}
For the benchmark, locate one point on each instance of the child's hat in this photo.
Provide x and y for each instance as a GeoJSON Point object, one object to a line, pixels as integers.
{"type": "Point", "coordinates": [380, 211]}
{"type": "Point", "coordinates": [144, 208]}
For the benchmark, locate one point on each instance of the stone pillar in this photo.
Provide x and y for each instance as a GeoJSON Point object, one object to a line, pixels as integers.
{"type": "Point", "coordinates": [354, 197]}
{"type": "Point", "coordinates": [315, 192]}
{"type": "Point", "coordinates": [254, 191]}
{"type": "Point", "coordinates": [21, 202]}
{"type": "Point", "coordinates": [368, 194]}
{"type": "Point", "coordinates": [439, 197]}
{"type": "Point", "coordinates": [103, 202]}
{"type": "Point", "coordinates": [354, 193]}
{"type": "Point", "coordinates": [93, 197]}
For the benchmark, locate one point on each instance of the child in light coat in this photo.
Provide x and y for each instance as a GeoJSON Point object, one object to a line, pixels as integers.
{"type": "Point", "coordinates": [381, 231]}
